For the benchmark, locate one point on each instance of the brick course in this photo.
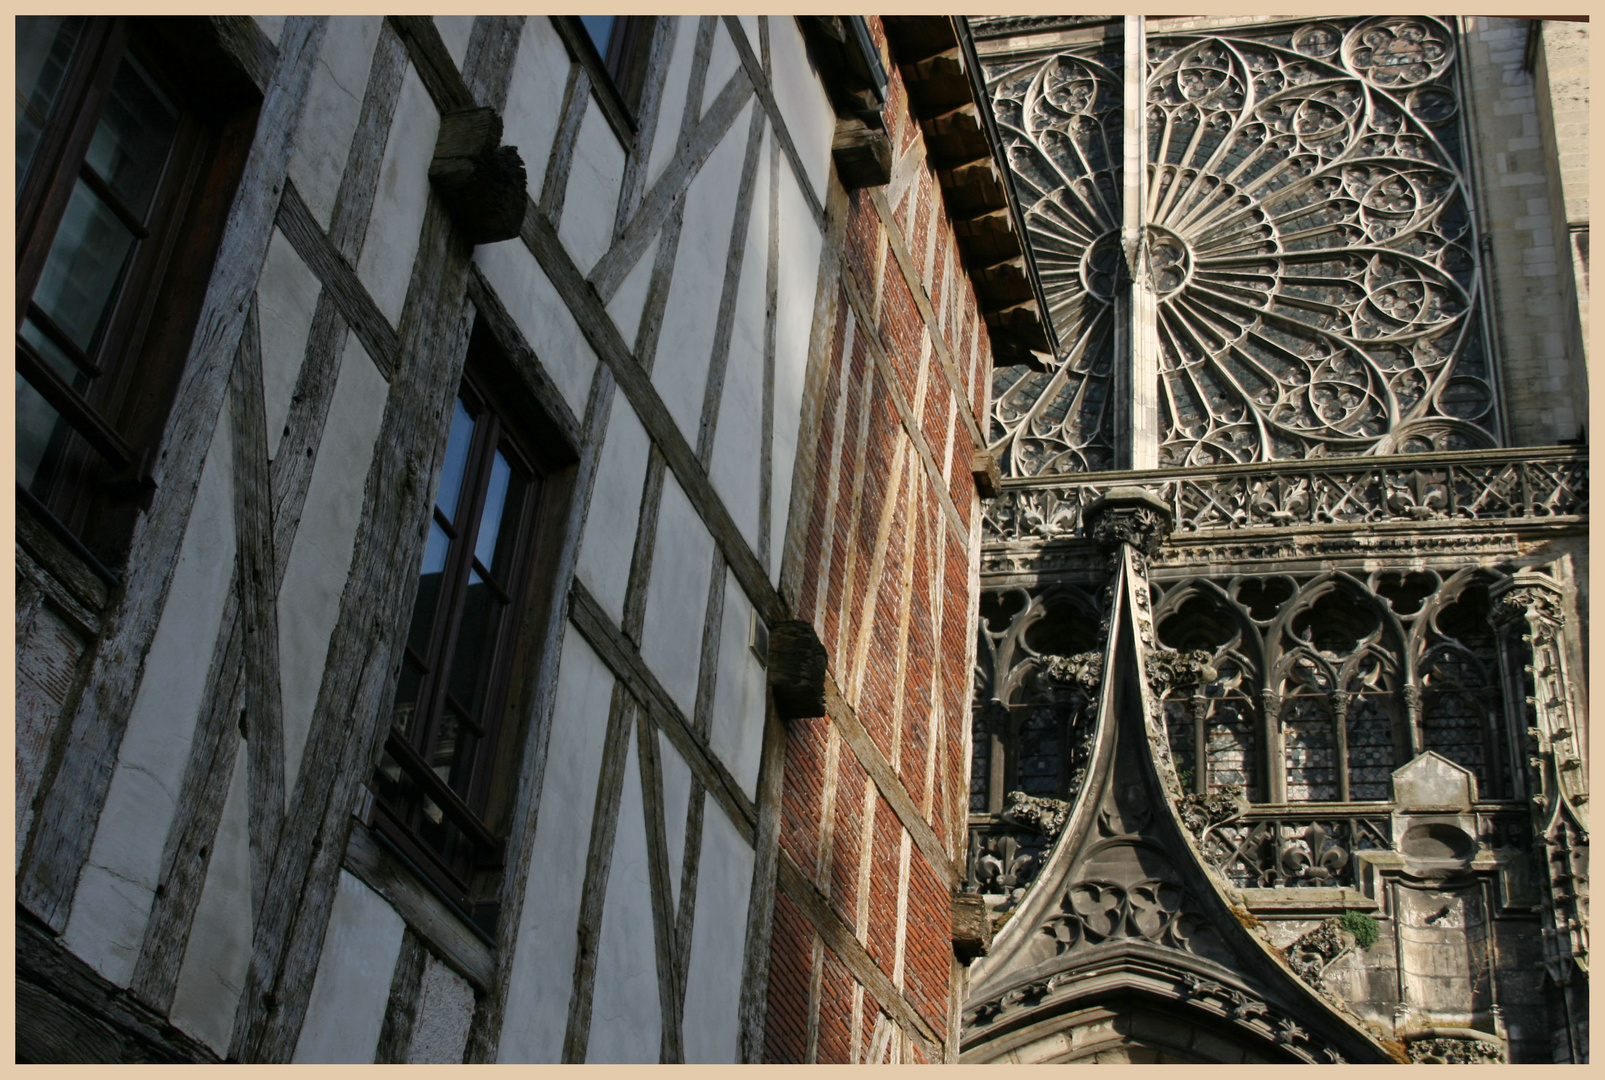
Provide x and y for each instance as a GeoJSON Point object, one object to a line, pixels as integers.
{"type": "Point", "coordinates": [886, 583]}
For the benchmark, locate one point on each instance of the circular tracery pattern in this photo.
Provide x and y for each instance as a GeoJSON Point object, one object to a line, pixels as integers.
{"type": "Point", "coordinates": [1309, 245]}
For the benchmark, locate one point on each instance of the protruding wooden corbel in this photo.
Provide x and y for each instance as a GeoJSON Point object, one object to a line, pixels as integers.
{"type": "Point", "coordinates": [481, 181]}
{"type": "Point", "coordinates": [863, 154]}
{"type": "Point", "coordinates": [972, 927]}
{"type": "Point", "coordinates": [988, 476]}
{"type": "Point", "coordinates": [796, 670]}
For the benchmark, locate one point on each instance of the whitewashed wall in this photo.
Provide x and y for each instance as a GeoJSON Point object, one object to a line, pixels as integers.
{"type": "Point", "coordinates": [702, 241]}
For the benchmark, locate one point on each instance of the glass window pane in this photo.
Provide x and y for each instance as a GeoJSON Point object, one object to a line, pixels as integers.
{"type": "Point", "coordinates": [476, 646]}
{"type": "Point", "coordinates": [490, 519]}
{"type": "Point", "coordinates": [387, 779]}
{"type": "Point", "coordinates": [80, 275]}
{"type": "Point", "coordinates": [135, 132]}
{"type": "Point", "coordinates": [73, 375]}
{"type": "Point", "coordinates": [453, 756]}
{"type": "Point", "coordinates": [600, 27]}
{"type": "Point", "coordinates": [451, 473]}
{"type": "Point", "coordinates": [406, 706]}
{"type": "Point", "coordinates": [430, 577]}
{"type": "Point", "coordinates": [37, 420]}
{"type": "Point", "coordinates": [45, 44]}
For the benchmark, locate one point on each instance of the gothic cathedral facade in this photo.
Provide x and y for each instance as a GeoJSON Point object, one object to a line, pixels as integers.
{"type": "Point", "coordinates": [1280, 741]}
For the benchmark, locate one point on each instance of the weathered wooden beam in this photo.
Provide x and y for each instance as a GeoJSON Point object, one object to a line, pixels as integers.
{"type": "Point", "coordinates": [69, 810]}
{"type": "Point", "coordinates": [956, 137]}
{"type": "Point", "coordinates": [973, 189]}
{"type": "Point", "coordinates": [66, 1012]}
{"type": "Point", "coordinates": [987, 238]}
{"type": "Point", "coordinates": [915, 37]}
{"type": "Point", "coordinates": [1003, 284]}
{"type": "Point", "coordinates": [1023, 321]}
{"type": "Point", "coordinates": [847, 65]}
{"type": "Point", "coordinates": [863, 154]}
{"type": "Point", "coordinates": [481, 181]}
{"type": "Point", "coordinates": [937, 84]}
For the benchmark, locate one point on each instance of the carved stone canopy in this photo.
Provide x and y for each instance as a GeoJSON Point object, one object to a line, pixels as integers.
{"type": "Point", "coordinates": [1129, 515]}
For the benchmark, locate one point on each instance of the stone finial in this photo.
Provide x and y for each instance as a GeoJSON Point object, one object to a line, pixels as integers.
{"type": "Point", "coordinates": [1128, 515]}
{"type": "Point", "coordinates": [1514, 598]}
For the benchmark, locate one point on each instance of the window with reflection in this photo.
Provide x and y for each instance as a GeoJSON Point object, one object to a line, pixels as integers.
{"type": "Point", "coordinates": [433, 779]}
{"type": "Point", "coordinates": [614, 47]}
{"type": "Point", "coordinates": [112, 162]}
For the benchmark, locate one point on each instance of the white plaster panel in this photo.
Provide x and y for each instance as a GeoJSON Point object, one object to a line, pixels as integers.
{"type": "Point", "coordinates": [738, 439]}
{"type": "Point", "coordinates": [677, 596]}
{"type": "Point", "coordinates": [610, 524]}
{"type": "Point", "coordinates": [685, 342]}
{"type": "Point", "coordinates": [445, 1010]}
{"type": "Point", "coordinates": [334, 104]}
{"type": "Point", "coordinates": [628, 302]}
{"type": "Point", "coordinates": [800, 244]}
{"type": "Point", "coordinates": [286, 298]}
{"type": "Point", "coordinates": [543, 959]}
{"type": "Point", "coordinates": [346, 1008]}
{"type": "Point", "coordinates": [671, 107]}
{"type": "Point", "coordinates": [218, 956]}
{"type": "Point", "coordinates": [723, 61]}
{"type": "Point", "coordinates": [542, 316]}
{"type": "Point", "coordinates": [385, 265]}
{"type": "Point", "coordinates": [118, 882]}
{"type": "Point", "coordinates": [455, 30]}
{"type": "Point", "coordinates": [271, 25]}
{"type": "Point", "coordinates": [749, 26]}
{"type": "Point", "coordinates": [592, 198]}
{"type": "Point", "coordinates": [535, 96]}
{"type": "Point", "coordinates": [801, 100]}
{"type": "Point", "coordinates": [735, 730]}
{"type": "Point", "coordinates": [676, 802]}
{"type": "Point", "coordinates": [718, 942]}
{"type": "Point", "coordinates": [626, 1018]}
{"type": "Point", "coordinates": [315, 575]}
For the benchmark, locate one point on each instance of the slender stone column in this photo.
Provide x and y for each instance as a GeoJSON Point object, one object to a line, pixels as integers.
{"type": "Point", "coordinates": [1137, 306]}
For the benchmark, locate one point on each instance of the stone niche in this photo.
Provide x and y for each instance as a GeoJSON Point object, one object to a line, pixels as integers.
{"type": "Point", "coordinates": [1434, 828]}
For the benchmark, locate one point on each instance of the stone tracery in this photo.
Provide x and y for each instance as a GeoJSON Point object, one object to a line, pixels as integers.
{"type": "Point", "coordinates": [1308, 240]}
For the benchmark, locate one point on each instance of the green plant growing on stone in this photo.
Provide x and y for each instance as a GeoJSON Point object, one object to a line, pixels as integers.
{"type": "Point", "coordinates": [1362, 926]}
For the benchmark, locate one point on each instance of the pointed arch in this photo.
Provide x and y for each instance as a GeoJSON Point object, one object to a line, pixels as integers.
{"type": "Point", "coordinates": [1215, 730]}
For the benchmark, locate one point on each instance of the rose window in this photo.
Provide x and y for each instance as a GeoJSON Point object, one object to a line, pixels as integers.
{"type": "Point", "coordinates": [1305, 234]}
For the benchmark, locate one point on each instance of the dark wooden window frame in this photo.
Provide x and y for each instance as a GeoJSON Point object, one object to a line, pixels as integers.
{"type": "Point", "coordinates": [468, 884]}
{"type": "Point", "coordinates": [138, 352]}
{"type": "Point", "coordinates": [617, 79]}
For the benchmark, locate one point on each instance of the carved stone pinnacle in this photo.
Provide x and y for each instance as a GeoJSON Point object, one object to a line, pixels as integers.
{"type": "Point", "coordinates": [1128, 515]}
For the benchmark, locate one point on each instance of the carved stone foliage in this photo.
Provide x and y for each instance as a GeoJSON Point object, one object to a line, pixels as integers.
{"type": "Point", "coordinates": [1202, 812]}
{"type": "Point", "coordinates": [1308, 240]}
{"type": "Point", "coordinates": [1407, 490]}
{"type": "Point", "coordinates": [1004, 861]}
{"type": "Point", "coordinates": [1311, 954]}
{"type": "Point", "coordinates": [1046, 816]}
{"type": "Point", "coordinates": [1037, 678]}
{"type": "Point", "coordinates": [1452, 1051]}
{"type": "Point", "coordinates": [1289, 852]}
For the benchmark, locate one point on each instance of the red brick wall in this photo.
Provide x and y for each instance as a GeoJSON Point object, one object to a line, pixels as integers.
{"type": "Point", "coordinates": [885, 577]}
